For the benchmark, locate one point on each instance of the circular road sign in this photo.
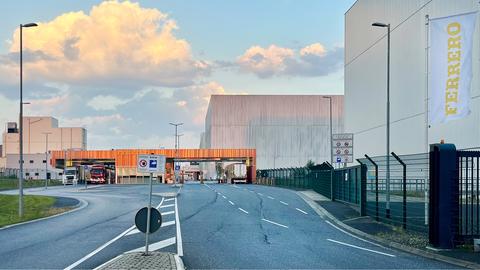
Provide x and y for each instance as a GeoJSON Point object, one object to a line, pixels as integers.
{"type": "Point", "coordinates": [143, 163]}
{"type": "Point", "coordinates": [141, 220]}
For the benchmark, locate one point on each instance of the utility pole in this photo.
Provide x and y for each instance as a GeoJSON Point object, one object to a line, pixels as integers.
{"type": "Point", "coordinates": [176, 149]}
{"type": "Point", "coordinates": [46, 158]}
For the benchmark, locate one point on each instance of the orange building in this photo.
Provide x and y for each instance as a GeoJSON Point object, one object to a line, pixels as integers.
{"type": "Point", "coordinates": [125, 160]}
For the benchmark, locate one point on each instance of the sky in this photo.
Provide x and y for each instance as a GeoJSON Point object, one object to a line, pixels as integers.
{"type": "Point", "coordinates": [125, 69]}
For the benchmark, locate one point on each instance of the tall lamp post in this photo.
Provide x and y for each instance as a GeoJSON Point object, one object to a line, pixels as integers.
{"type": "Point", "coordinates": [20, 178]}
{"type": "Point", "coordinates": [331, 147]}
{"type": "Point", "coordinates": [176, 148]}
{"type": "Point", "coordinates": [46, 158]}
{"type": "Point", "coordinates": [378, 24]}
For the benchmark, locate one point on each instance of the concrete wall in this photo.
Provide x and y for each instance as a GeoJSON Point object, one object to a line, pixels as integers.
{"type": "Point", "coordinates": [286, 130]}
{"type": "Point", "coordinates": [34, 138]}
{"type": "Point", "coordinates": [34, 166]}
{"type": "Point", "coordinates": [365, 77]}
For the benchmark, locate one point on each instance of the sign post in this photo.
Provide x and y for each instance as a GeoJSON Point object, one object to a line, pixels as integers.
{"type": "Point", "coordinates": [343, 147]}
{"type": "Point", "coordinates": [150, 164]}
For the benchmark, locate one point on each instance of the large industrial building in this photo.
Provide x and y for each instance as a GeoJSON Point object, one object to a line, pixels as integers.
{"type": "Point", "coordinates": [365, 77]}
{"type": "Point", "coordinates": [285, 130]}
{"type": "Point", "coordinates": [35, 144]}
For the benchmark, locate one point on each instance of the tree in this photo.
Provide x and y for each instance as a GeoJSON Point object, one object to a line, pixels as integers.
{"type": "Point", "coordinates": [310, 164]}
{"type": "Point", "coordinates": [219, 169]}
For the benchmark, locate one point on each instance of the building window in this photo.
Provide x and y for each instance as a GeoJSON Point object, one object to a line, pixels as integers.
{"type": "Point", "coordinates": [36, 174]}
{"type": "Point", "coordinates": [27, 174]}
{"type": "Point", "coordinates": [31, 161]}
{"type": "Point", "coordinates": [60, 174]}
{"type": "Point", "coordinates": [23, 161]}
{"type": "Point", "coordinates": [44, 161]}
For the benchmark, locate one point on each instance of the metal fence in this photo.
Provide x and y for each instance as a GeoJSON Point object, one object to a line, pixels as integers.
{"type": "Point", "coordinates": [468, 194]}
{"type": "Point", "coordinates": [406, 205]}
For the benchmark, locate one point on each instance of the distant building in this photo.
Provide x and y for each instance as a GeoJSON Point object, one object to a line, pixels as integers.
{"type": "Point", "coordinates": [34, 145]}
{"type": "Point", "coordinates": [285, 130]}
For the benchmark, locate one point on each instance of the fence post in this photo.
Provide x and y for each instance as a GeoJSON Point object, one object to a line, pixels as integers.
{"type": "Point", "coordinates": [404, 188]}
{"type": "Point", "coordinates": [376, 186]}
{"type": "Point", "coordinates": [363, 188]}
{"type": "Point", "coordinates": [443, 208]}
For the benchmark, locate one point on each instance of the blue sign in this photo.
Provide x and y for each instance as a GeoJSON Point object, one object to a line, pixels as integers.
{"type": "Point", "coordinates": [339, 160]}
{"type": "Point", "coordinates": [153, 164]}
{"type": "Point", "coordinates": [177, 167]}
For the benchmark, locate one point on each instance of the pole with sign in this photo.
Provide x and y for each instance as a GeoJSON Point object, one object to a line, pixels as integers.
{"type": "Point", "coordinates": [343, 147]}
{"type": "Point", "coordinates": [150, 164]}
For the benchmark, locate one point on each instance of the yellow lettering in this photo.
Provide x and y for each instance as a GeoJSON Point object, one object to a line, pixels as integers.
{"type": "Point", "coordinates": [453, 83]}
{"type": "Point", "coordinates": [454, 56]}
{"type": "Point", "coordinates": [450, 110]}
{"type": "Point", "coordinates": [453, 28]}
{"type": "Point", "coordinates": [454, 69]}
{"type": "Point", "coordinates": [451, 97]}
{"type": "Point", "coordinates": [454, 43]}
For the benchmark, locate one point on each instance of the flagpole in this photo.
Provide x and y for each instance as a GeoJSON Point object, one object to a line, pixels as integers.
{"type": "Point", "coordinates": [427, 147]}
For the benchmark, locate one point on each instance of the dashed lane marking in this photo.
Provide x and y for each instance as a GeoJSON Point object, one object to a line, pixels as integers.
{"type": "Point", "coordinates": [270, 197]}
{"type": "Point", "coordinates": [300, 210]}
{"type": "Point", "coordinates": [231, 202]}
{"type": "Point", "coordinates": [282, 202]}
{"type": "Point", "coordinates": [275, 223]}
{"type": "Point", "coordinates": [242, 210]}
{"type": "Point", "coordinates": [260, 194]}
{"type": "Point", "coordinates": [224, 197]}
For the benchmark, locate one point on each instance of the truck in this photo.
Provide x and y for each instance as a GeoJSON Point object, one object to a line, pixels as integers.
{"type": "Point", "coordinates": [70, 176]}
{"type": "Point", "coordinates": [98, 174]}
{"type": "Point", "coordinates": [237, 173]}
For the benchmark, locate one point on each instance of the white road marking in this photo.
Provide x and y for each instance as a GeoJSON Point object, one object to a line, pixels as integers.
{"type": "Point", "coordinates": [242, 210]}
{"type": "Point", "coordinates": [168, 223]}
{"type": "Point", "coordinates": [252, 191]}
{"type": "Point", "coordinates": [270, 197]}
{"type": "Point", "coordinates": [179, 232]}
{"type": "Point", "coordinates": [275, 223]}
{"type": "Point", "coordinates": [224, 197]}
{"type": "Point", "coordinates": [354, 236]}
{"type": "Point", "coordinates": [302, 211]}
{"type": "Point", "coordinates": [156, 246]}
{"type": "Point", "coordinates": [171, 199]}
{"type": "Point", "coordinates": [235, 186]}
{"type": "Point", "coordinates": [231, 202]}
{"type": "Point", "coordinates": [100, 248]}
{"type": "Point", "coordinates": [168, 205]}
{"type": "Point", "coordinates": [260, 194]}
{"type": "Point", "coordinates": [282, 202]}
{"type": "Point", "coordinates": [168, 213]}
{"type": "Point", "coordinates": [362, 248]}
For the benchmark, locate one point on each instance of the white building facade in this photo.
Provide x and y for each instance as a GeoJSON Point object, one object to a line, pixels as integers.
{"type": "Point", "coordinates": [285, 130]}
{"type": "Point", "coordinates": [365, 77]}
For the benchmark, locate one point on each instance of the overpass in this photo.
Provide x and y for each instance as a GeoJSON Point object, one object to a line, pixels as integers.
{"type": "Point", "coordinates": [125, 160]}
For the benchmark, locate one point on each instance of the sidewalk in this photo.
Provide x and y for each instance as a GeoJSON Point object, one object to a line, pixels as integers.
{"type": "Point", "coordinates": [410, 241]}
{"type": "Point", "coordinates": [136, 260]}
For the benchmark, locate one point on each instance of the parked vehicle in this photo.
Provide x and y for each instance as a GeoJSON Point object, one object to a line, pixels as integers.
{"type": "Point", "coordinates": [237, 173]}
{"type": "Point", "coordinates": [70, 176]}
{"type": "Point", "coordinates": [98, 174]}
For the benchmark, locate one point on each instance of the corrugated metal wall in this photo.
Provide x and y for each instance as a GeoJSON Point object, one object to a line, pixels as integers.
{"type": "Point", "coordinates": [286, 130]}
{"type": "Point", "coordinates": [365, 77]}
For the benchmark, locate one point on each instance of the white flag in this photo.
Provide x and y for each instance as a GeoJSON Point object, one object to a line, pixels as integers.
{"type": "Point", "coordinates": [450, 66]}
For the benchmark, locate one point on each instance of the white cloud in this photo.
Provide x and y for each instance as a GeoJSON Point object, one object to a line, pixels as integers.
{"type": "Point", "coordinates": [312, 60]}
{"type": "Point", "coordinates": [116, 43]}
{"type": "Point", "coordinates": [106, 103]}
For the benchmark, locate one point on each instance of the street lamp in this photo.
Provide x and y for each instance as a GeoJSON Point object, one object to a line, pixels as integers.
{"type": "Point", "coordinates": [378, 24]}
{"type": "Point", "coordinates": [20, 179]}
{"type": "Point", "coordinates": [176, 148]}
{"type": "Point", "coordinates": [46, 158]}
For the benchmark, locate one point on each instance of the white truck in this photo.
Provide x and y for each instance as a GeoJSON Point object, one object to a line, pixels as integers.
{"type": "Point", "coordinates": [239, 173]}
{"type": "Point", "coordinates": [70, 176]}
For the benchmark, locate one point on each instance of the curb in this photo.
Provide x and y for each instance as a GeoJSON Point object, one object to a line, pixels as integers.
{"type": "Point", "coordinates": [178, 262]}
{"type": "Point", "coordinates": [324, 213]}
{"type": "Point", "coordinates": [79, 206]}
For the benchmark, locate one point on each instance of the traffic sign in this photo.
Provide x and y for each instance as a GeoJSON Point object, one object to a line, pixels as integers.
{"type": "Point", "coordinates": [151, 163]}
{"type": "Point", "coordinates": [342, 145]}
{"type": "Point", "coordinates": [177, 167]}
{"type": "Point", "coordinates": [141, 220]}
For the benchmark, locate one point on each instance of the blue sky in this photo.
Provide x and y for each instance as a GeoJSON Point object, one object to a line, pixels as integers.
{"type": "Point", "coordinates": [229, 47]}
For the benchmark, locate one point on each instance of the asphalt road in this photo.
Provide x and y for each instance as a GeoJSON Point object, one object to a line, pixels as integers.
{"type": "Point", "coordinates": [210, 226]}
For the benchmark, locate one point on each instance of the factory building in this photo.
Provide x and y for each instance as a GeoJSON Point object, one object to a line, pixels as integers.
{"type": "Point", "coordinates": [285, 130]}
{"type": "Point", "coordinates": [365, 77]}
{"type": "Point", "coordinates": [35, 144]}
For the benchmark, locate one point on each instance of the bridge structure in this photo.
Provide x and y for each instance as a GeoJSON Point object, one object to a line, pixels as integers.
{"type": "Point", "coordinates": [125, 160]}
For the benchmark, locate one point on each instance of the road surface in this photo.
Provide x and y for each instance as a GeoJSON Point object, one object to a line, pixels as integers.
{"type": "Point", "coordinates": [209, 225]}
